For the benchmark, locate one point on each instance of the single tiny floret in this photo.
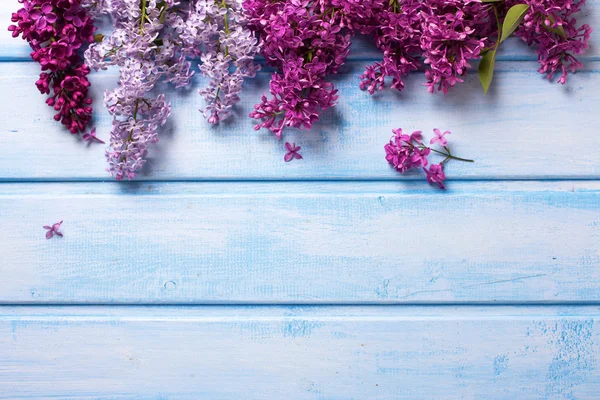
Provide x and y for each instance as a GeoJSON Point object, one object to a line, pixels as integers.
{"type": "Point", "coordinates": [293, 152]}
{"type": "Point", "coordinates": [53, 230]}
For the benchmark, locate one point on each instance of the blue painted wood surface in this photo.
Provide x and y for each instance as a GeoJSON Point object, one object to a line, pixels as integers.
{"type": "Point", "coordinates": [225, 273]}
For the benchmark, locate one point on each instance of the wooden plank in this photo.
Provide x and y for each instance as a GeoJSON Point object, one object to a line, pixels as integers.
{"type": "Point", "coordinates": [513, 49]}
{"type": "Point", "coordinates": [300, 353]}
{"type": "Point", "coordinates": [526, 128]}
{"type": "Point", "coordinates": [303, 242]}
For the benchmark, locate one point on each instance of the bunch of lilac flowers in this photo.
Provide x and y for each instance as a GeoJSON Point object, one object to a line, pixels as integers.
{"type": "Point", "coordinates": [551, 26]}
{"type": "Point", "coordinates": [305, 40]}
{"type": "Point", "coordinates": [405, 152]}
{"type": "Point", "coordinates": [156, 41]}
{"type": "Point", "coordinates": [216, 31]}
{"type": "Point", "coordinates": [144, 50]}
{"type": "Point", "coordinates": [56, 30]}
{"type": "Point", "coordinates": [447, 34]}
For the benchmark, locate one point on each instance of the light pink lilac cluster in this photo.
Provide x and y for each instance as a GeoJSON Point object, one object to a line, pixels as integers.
{"type": "Point", "coordinates": [156, 42]}
{"type": "Point", "coordinates": [56, 31]}
{"type": "Point", "coordinates": [143, 48]}
{"type": "Point", "coordinates": [405, 152]}
{"type": "Point", "coordinates": [216, 31]}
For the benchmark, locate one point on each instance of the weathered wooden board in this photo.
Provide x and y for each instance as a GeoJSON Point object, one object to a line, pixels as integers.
{"type": "Point", "coordinates": [527, 128]}
{"type": "Point", "coordinates": [514, 49]}
{"type": "Point", "coordinates": [303, 242]}
{"type": "Point", "coordinates": [327, 278]}
{"type": "Point", "coordinates": [300, 353]}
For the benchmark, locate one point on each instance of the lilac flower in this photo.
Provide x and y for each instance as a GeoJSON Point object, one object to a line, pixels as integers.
{"type": "Point", "coordinates": [53, 230]}
{"type": "Point", "coordinates": [404, 152]}
{"type": "Point", "coordinates": [56, 37]}
{"type": "Point", "coordinates": [453, 33]}
{"type": "Point", "coordinates": [43, 16]}
{"type": "Point", "coordinates": [439, 137]}
{"type": "Point", "coordinates": [144, 49]}
{"type": "Point", "coordinates": [292, 152]}
{"type": "Point", "coordinates": [218, 31]}
{"type": "Point", "coordinates": [435, 174]}
{"type": "Point", "coordinates": [91, 137]}
{"type": "Point", "coordinates": [156, 42]}
{"type": "Point", "coordinates": [305, 41]}
{"type": "Point", "coordinates": [551, 26]}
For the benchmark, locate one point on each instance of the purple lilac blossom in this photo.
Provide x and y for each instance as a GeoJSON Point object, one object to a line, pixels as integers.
{"type": "Point", "coordinates": [405, 152]}
{"type": "Point", "coordinates": [143, 45]}
{"type": "Point", "coordinates": [156, 42]}
{"type": "Point", "coordinates": [551, 26]}
{"type": "Point", "coordinates": [305, 40]}
{"type": "Point", "coordinates": [56, 30]}
{"type": "Point", "coordinates": [217, 30]}
{"type": "Point", "coordinates": [293, 152]}
{"type": "Point", "coordinates": [53, 230]}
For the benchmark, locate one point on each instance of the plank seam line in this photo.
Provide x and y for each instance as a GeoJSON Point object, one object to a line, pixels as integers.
{"type": "Point", "coordinates": [298, 180]}
{"type": "Point", "coordinates": [341, 304]}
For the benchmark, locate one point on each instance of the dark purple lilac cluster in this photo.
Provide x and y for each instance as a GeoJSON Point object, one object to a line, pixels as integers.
{"type": "Point", "coordinates": [56, 30]}
{"type": "Point", "coordinates": [449, 34]}
{"type": "Point", "coordinates": [446, 34]}
{"type": "Point", "coordinates": [551, 26]}
{"type": "Point", "coordinates": [305, 40]}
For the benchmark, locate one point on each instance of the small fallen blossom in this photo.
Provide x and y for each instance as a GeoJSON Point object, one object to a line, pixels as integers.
{"type": "Point", "coordinates": [404, 152]}
{"type": "Point", "coordinates": [435, 174]}
{"type": "Point", "coordinates": [53, 230]}
{"type": "Point", "coordinates": [91, 137]}
{"type": "Point", "coordinates": [439, 137]}
{"type": "Point", "coordinates": [292, 152]}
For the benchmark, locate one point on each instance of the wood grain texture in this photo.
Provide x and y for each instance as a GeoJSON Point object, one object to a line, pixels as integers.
{"type": "Point", "coordinates": [330, 278]}
{"type": "Point", "coordinates": [301, 243]}
{"type": "Point", "coordinates": [527, 128]}
{"type": "Point", "coordinates": [513, 49]}
{"type": "Point", "coordinates": [300, 353]}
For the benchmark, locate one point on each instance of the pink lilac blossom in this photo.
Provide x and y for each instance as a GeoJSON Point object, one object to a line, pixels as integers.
{"type": "Point", "coordinates": [551, 26]}
{"type": "Point", "coordinates": [405, 152]}
{"type": "Point", "coordinates": [53, 230]}
{"type": "Point", "coordinates": [91, 137]}
{"type": "Point", "coordinates": [306, 41]}
{"type": "Point", "coordinates": [293, 152]}
{"type": "Point", "coordinates": [56, 31]}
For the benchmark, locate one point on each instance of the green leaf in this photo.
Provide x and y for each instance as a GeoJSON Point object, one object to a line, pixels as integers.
{"type": "Point", "coordinates": [491, 1]}
{"type": "Point", "coordinates": [486, 69]}
{"type": "Point", "coordinates": [513, 19]}
{"type": "Point", "coordinates": [560, 31]}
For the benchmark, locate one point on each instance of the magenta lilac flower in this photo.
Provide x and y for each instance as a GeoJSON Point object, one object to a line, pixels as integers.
{"type": "Point", "coordinates": [551, 26]}
{"type": "Point", "coordinates": [405, 152]}
{"type": "Point", "coordinates": [91, 137]}
{"type": "Point", "coordinates": [305, 41]}
{"type": "Point", "coordinates": [53, 230]}
{"type": "Point", "coordinates": [293, 152]}
{"type": "Point", "coordinates": [439, 137]}
{"type": "Point", "coordinates": [56, 31]}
